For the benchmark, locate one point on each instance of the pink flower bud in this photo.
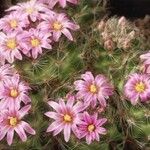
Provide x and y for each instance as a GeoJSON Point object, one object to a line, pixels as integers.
{"type": "Point", "coordinates": [101, 25]}
{"type": "Point", "coordinates": [109, 45]}
{"type": "Point", "coordinates": [122, 21]}
{"type": "Point", "coordinates": [132, 34]}
{"type": "Point", "coordinates": [126, 44]}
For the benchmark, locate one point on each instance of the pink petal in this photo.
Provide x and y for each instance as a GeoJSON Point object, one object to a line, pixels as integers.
{"type": "Point", "coordinates": [21, 133]}
{"type": "Point", "coordinates": [28, 128]}
{"type": "Point", "coordinates": [102, 121]}
{"type": "Point", "coordinates": [101, 130]}
{"type": "Point", "coordinates": [67, 132]}
{"type": "Point", "coordinates": [3, 131]}
{"type": "Point", "coordinates": [56, 36]}
{"type": "Point", "coordinates": [23, 111]}
{"type": "Point", "coordinates": [53, 126]}
{"type": "Point", "coordinates": [52, 115]}
{"type": "Point", "coordinates": [102, 100]}
{"type": "Point", "coordinates": [88, 139]}
{"type": "Point", "coordinates": [88, 76]}
{"type": "Point", "coordinates": [67, 34]}
{"type": "Point", "coordinates": [10, 136]}
{"type": "Point", "coordinates": [58, 130]}
{"type": "Point", "coordinates": [62, 3]}
{"type": "Point", "coordinates": [54, 105]}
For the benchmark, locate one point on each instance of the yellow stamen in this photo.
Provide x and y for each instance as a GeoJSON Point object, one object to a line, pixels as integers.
{"type": "Point", "coordinates": [91, 128]}
{"type": "Point", "coordinates": [13, 121]}
{"type": "Point", "coordinates": [57, 26]}
{"type": "Point", "coordinates": [11, 44]}
{"type": "Point", "coordinates": [35, 42]}
{"type": "Point", "coordinates": [29, 10]}
{"type": "Point", "coordinates": [13, 93]}
{"type": "Point", "coordinates": [13, 23]}
{"type": "Point", "coordinates": [93, 88]}
{"type": "Point", "coordinates": [140, 87]}
{"type": "Point", "coordinates": [67, 118]}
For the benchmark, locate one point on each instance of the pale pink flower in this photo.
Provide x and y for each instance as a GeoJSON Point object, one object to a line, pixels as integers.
{"type": "Point", "coordinates": [11, 122]}
{"type": "Point", "coordinates": [10, 47]}
{"type": "Point", "coordinates": [6, 71]}
{"type": "Point", "coordinates": [13, 92]}
{"type": "Point", "coordinates": [91, 89]}
{"type": "Point", "coordinates": [63, 3]}
{"type": "Point", "coordinates": [58, 24]}
{"type": "Point", "coordinates": [145, 58]}
{"type": "Point", "coordinates": [34, 41]}
{"type": "Point", "coordinates": [13, 21]}
{"type": "Point", "coordinates": [91, 127]}
{"type": "Point", "coordinates": [31, 9]}
{"type": "Point", "coordinates": [50, 3]}
{"type": "Point", "coordinates": [137, 88]}
{"type": "Point", "coordinates": [66, 117]}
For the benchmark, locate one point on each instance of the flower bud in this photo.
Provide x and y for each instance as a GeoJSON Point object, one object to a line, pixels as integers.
{"type": "Point", "coordinates": [109, 45]}
{"type": "Point", "coordinates": [101, 25]}
{"type": "Point", "coordinates": [122, 21]}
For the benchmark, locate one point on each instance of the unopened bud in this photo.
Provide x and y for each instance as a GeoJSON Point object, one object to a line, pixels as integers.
{"type": "Point", "coordinates": [105, 36]}
{"type": "Point", "coordinates": [126, 44]}
{"type": "Point", "coordinates": [132, 35]}
{"type": "Point", "coordinates": [109, 45]}
{"type": "Point", "coordinates": [101, 25]}
{"type": "Point", "coordinates": [122, 21]}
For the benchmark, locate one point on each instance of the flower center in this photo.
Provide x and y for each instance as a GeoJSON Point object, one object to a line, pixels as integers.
{"type": "Point", "coordinates": [140, 87]}
{"type": "Point", "coordinates": [67, 118]}
{"type": "Point", "coordinates": [30, 10]}
{"type": "Point", "coordinates": [13, 121]}
{"type": "Point", "coordinates": [13, 23]}
{"type": "Point", "coordinates": [91, 128]}
{"type": "Point", "coordinates": [35, 42]}
{"type": "Point", "coordinates": [57, 26]}
{"type": "Point", "coordinates": [13, 93]}
{"type": "Point", "coordinates": [93, 88]}
{"type": "Point", "coordinates": [11, 44]}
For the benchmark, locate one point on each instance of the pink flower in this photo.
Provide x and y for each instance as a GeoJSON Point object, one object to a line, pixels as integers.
{"type": "Point", "coordinates": [10, 47]}
{"type": "Point", "coordinates": [58, 24]}
{"type": "Point", "coordinates": [91, 89]}
{"type": "Point", "coordinates": [34, 41]}
{"type": "Point", "coordinates": [137, 87]}
{"type": "Point", "coordinates": [11, 121]}
{"type": "Point", "coordinates": [50, 3]}
{"type": "Point", "coordinates": [91, 127]}
{"type": "Point", "coordinates": [12, 22]}
{"type": "Point", "coordinates": [6, 71]}
{"type": "Point", "coordinates": [146, 62]}
{"type": "Point", "coordinates": [66, 117]}
{"type": "Point", "coordinates": [62, 3]}
{"type": "Point", "coordinates": [13, 92]}
{"type": "Point", "coordinates": [31, 9]}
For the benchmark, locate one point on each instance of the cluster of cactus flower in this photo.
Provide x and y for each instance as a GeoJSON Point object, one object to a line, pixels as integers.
{"type": "Point", "coordinates": [31, 27]}
{"type": "Point", "coordinates": [117, 33]}
{"type": "Point", "coordinates": [77, 118]}
{"type": "Point", "coordinates": [14, 105]}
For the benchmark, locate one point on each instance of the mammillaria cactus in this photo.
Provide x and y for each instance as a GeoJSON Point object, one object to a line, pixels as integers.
{"type": "Point", "coordinates": [93, 72]}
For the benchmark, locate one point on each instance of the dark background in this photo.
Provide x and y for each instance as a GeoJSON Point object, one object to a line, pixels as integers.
{"type": "Point", "coordinates": [129, 8]}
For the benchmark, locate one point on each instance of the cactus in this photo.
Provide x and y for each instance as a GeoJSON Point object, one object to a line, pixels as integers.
{"type": "Point", "coordinates": [98, 47]}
